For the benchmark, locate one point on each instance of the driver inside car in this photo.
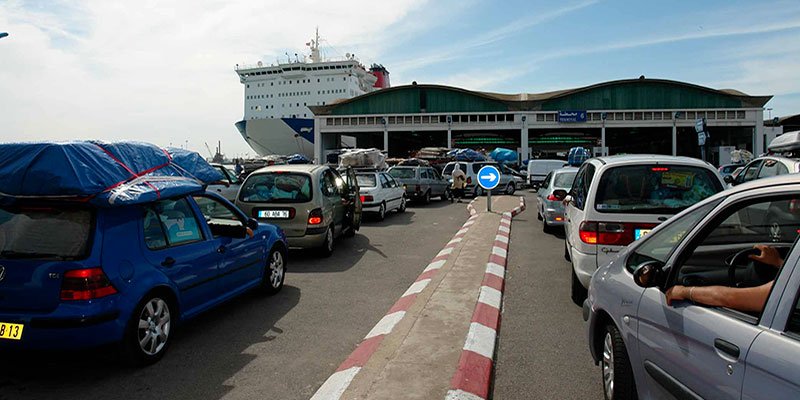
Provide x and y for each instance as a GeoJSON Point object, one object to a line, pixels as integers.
{"type": "Point", "coordinates": [742, 299]}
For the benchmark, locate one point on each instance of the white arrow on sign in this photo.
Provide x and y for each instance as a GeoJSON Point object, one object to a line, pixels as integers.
{"type": "Point", "coordinates": [492, 177]}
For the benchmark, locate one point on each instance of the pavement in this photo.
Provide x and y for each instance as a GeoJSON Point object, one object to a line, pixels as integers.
{"type": "Point", "coordinates": [438, 340]}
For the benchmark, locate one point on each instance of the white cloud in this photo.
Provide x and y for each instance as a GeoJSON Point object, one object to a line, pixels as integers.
{"type": "Point", "coordinates": [159, 71]}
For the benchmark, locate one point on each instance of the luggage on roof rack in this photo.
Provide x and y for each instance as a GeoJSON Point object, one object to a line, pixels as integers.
{"type": "Point", "coordinates": [100, 173]}
{"type": "Point", "coordinates": [366, 158]}
{"type": "Point", "coordinates": [787, 142]}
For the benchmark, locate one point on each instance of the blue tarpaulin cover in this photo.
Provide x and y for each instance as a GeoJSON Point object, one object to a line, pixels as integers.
{"type": "Point", "coordinates": [466, 155]}
{"type": "Point", "coordinates": [103, 174]}
{"type": "Point", "coordinates": [297, 159]}
{"type": "Point", "coordinates": [503, 155]}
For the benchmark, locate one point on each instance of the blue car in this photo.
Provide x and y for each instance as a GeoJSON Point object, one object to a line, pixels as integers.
{"type": "Point", "coordinates": [75, 275]}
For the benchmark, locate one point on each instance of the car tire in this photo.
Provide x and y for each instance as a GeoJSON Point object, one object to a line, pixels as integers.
{"type": "Point", "coordinates": [446, 195]}
{"type": "Point", "coordinates": [274, 272]}
{"type": "Point", "coordinates": [577, 292]}
{"type": "Point", "coordinates": [382, 211]}
{"type": "Point", "coordinates": [539, 215]}
{"type": "Point", "coordinates": [478, 191]}
{"type": "Point", "coordinates": [402, 207]}
{"type": "Point", "coordinates": [511, 188]}
{"type": "Point", "coordinates": [146, 345]}
{"type": "Point", "coordinates": [327, 245]}
{"type": "Point", "coordinates": [545, 227]}
{"type": "Point", "coordinates": [566, 252]}
{"type": "Point", "coordinates": [427, 198]}
{"type": "Point", "coordinates": [616, 371]}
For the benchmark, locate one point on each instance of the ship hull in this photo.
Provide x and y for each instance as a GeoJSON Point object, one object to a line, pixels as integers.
{"type": "Point", "coordinates": [282, 136]}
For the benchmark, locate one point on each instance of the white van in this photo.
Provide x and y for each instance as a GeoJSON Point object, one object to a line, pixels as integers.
{"type": "Point", "coordinates": [538, 169]}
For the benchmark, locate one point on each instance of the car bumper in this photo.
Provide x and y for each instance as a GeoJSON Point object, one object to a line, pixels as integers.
{"type": "Point", "coordinates": [584, 265]}
{"type": "Point", "coordinates": [554, 217]}
{"type": "Point", "coordinates": [306, 241]}
{"type": "Point", "coordinates": [72, 325]}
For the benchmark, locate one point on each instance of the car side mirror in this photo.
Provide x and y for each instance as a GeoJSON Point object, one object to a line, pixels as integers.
{"type": "Point", "coordinates": [648, 274]}
{"type": "Point", "coordinates": [560, 194]}
{"type": "Point", "coordinates": [728, 179]}
{"type": "Point", "coordinates": [252, 223]}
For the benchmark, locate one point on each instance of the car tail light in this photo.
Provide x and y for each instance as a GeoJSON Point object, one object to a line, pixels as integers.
{"type": "Point", "coordinates": [469, 180]}
{"type": "Point", "coordinates": [417, 188]}
{"type": "Point", "coordinates": [559, 219]}
{"type": "Point", "coordinates": [794, 208]}
{"type": "Point", "coordinates": [610, 233]}
{"type": "Point", "coordinates": [86, 284]}
{"type": "Point", "coordinates": [552, 197]}
{"type": "Point", "coordinates": [367, 199]}
{"type": "Point", "coordinates": [660, 169]}
{"type": "Point", "coordinates": [315, 216]}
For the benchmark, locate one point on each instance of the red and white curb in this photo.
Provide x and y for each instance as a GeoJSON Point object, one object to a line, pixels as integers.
{"type": "Point", "coordinates": [473, 376]}
{"type": "Point", "coordinates": [336, 384]}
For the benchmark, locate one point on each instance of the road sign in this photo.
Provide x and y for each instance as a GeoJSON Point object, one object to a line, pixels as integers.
{"type": "Point", "coordinates": [489, 177]}
{"type": "Point", "coordinates": [701, 138]}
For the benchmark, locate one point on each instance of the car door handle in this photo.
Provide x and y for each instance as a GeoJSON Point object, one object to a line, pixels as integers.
{"type": "Point", "coordinates": [219, 190]}
{"type": "Point", "coordinates": [727, 347]}
{"type": "Point", "coordinates": [221, 249]}
{"type": "Point", "coordinates": [168, 262]}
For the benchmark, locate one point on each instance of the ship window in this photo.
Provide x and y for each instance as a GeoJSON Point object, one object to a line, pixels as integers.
{"type": "Point", "coordinates": [317, 80]}
{"type": "Point", "coordinates": [248, 85]}
{"type": "Point", "coordinates": [344, 79]}
{"type": "Point", "coordinates": [271, 83]}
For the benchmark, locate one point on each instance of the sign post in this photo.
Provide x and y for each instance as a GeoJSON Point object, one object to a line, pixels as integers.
{"type": "Point", "coordinates": [700, 128]}
{"type": "Point", "coordinates": [488, 179]}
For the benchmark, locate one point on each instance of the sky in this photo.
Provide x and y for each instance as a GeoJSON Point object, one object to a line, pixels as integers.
{"type": "Point", "coordinates": [163, 71]}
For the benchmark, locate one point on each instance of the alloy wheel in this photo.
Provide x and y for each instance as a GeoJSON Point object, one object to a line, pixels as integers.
{"type": "Point", "coordinates": [276, 269]}
{"type": "Point", "coordinates": [154, 326]}
{"type": "Point", "coordinates": [608, 366]}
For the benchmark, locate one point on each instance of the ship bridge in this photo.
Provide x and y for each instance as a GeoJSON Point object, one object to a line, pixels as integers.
{"type": "Point", "coordinates": [642, 115]}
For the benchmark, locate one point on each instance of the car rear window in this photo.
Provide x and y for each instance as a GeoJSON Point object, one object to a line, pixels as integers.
{"type": "Point", "coordinates": [654, 189]}
{"type": "Point", "coordinates": [366, 180]}
{"type": "Point", "coordinates": [276, 187]}
{"type": "Point", "coordinates": [729, 169]}
{"type": "Point", "coordinates": [404, 173]}
{"type": "Point", "coordinates": [44, 233]}
{"type": "Point", "coordinates": [564, 179]}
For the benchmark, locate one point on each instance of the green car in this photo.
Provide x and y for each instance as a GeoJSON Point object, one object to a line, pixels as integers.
{"type": "Point", "coordinates": [313, 204]}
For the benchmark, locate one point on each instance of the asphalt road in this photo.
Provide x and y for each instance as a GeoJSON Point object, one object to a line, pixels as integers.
{"type": "Point", "coordinates": [280, 347]}
{"type": "Point", "coordinates": [542, 353]}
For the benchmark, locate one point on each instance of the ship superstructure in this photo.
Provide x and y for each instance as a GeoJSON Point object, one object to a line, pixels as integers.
{"type": "Point", "coordinates": [277, 119]}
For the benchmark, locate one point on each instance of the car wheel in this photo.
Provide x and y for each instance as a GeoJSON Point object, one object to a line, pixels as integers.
{"type": "Point", "coordinates": [402, 207]}
{"type": "Point", "coordinates": [446, 195]}
{"type": "Point", "coordinates": [275, 271]}
{"type": "Point", "coordinates": [427, 198]}
{"type": "Point", "coordinates": [382, 212]}
{"type": "Point", "coordinates": [539, 215]}
{"type": "Point", "coordinates": [478, 191]}
{"type": "Point", "coordinates": [149, 330]}
{"type": "Point", "coordinates": [578, 292]}
{"type": "Point", "coordinates": [545, 227]}
{"type": "Point", "coordinates": [510, 188]}
{"type": "Point", "coordinates": [327, 245]}
{"type": "Point", "coordinates": [618, 381]}
{"type": "Point", "coordinates": [566, 253]}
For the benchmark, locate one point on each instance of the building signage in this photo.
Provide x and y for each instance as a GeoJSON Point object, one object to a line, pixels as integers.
{"type": "Point", "coordinates": [572, 116]}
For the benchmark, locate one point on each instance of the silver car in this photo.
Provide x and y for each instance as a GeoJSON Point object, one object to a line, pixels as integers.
{"type": "Point", "coordinates": [687, 350]}
{"type": "Point", "coordinates": [550, 209]}
{"type": "Point", "coordinates": [421, 182]}
{"type": "Point", "coordinates": [228, 187]}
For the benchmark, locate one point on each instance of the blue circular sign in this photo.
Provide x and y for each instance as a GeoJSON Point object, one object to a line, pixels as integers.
{"type": "Point", "coordinates": [489, 177]}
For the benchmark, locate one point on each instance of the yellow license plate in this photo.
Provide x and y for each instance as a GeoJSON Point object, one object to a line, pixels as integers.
{"type": "Point", "coordinates": [10, 331]}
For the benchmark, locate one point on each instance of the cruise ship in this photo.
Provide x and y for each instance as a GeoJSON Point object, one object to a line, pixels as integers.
{"type": "Point", "coordinates": [277, 119]}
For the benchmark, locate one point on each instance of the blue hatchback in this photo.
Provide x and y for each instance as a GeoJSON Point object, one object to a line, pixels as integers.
{"type": "Point", "coordinates": [76, 276]}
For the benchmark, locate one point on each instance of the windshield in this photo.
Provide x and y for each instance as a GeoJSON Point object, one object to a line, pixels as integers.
{"type": "Point", "coordinates": [564, 179]}
{"type": "Point", "coordinates": [654, 189]}
{"type": "Point", "coordinates": [44, 233]}
{"type": "Point", "coordinates": [403, 173]}
{"type": "Point", "coordinates": [366, 180]}
{"type": "Point", "coordinates": [277, 187]}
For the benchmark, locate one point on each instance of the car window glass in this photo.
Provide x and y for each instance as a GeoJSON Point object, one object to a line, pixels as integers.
{"type": "Point", "coordinates": [793, 325]}
{"type": "Point", "coordinates": [546, 183]}
{"type": "Point", "coordinates": [232, 176]}
{"type": "Point", "coordinates": [384, 181]}
{"type": "Point", "coordinates": [328, 184]}
{"type": "Point", "coordinates": [782, 170]}
{"type": "Point", "coordinates": [392, 182]}
{"type": "Point", "coordinates": [217, 213]}
{"type": "Point", "coordinates": [276, 187]}
{"type": "Point", "coordinates": [221, 170]}
{"type": "Point", "coordinates": [403, 173]}
{"type": "Point", "coordinates": [154, 236]}
{"type": "Point", "coordinates": [476, 167]}
{"type": "Point", "coordinates": [719, 257]}
{"type": "Point", "coordinates": [41, 233]}
{"type": "Point", "coordinates": [577, 192]}
{"type": "Point", "coordinates": [659, 245]}
{"type": "Point", "coordinates": [423, 173]}
{"type": "Point", "coordinates": [435, 175]}
{"type": "Point", "coordinates": [750, 173]}
{"type": "Point", "coordinates": [770, 168]}
{"type": "Point", "coordinates": [366, 180]}
{"type": "Point", "coordinates": [178, 221]}
{"type": "Point", "coordinates": [564, 179]}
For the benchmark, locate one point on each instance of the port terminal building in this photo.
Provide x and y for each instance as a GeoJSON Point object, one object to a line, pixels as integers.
{"type": "Point", "coordinates": [642, 115]}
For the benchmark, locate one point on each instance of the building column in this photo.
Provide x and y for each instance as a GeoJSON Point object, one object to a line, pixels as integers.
{"type": "Point", "coordinates": [524, 140]}
{"type": "Point", "coordinates": [603, 151]}
{"type": "Point", "coordinates": [758, 134]}
{"type": "Point", "coordinates": [674, 134]}
{"type": "Point", "coordinates": [449, 132]}
{"type": "Point", "coordinates": [385, 136]}
{"type": "Point", "coordinates": [317, 141]}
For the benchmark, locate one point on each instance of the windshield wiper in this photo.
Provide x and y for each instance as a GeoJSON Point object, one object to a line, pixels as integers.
{"type": "Point", "coordinates": [24, 255]}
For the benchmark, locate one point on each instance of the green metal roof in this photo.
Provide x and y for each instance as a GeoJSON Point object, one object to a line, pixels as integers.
{"type": "Point", "coordinates": [631, 94]}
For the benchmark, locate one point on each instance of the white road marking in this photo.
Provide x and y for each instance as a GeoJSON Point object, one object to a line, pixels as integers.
{"type": "Point", "coordinates": [480, 339]}
{"type": "Point", "coordinates": [504, 229]}
{"type": "Point", "coordinates": [416, 287]}
{"type": "Point", "coordinates": [435, 265]}
{"type": "Point", "coordinates": [461, 395]}
{"type": "Point", "coordinates": [386, 324]}
{"type": "Point", "coordinates": [490, 296]}
{"type": "Point", "coordinates": [499, 252]}
{"type": "Point", "coordinates": [445, 251]}
{"type": "Point", "coordinates": [336, 384]}
{"type": "Point", "coordinates": [501, 238]}
{"type": "Point", "coordinates": [495, 269]}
